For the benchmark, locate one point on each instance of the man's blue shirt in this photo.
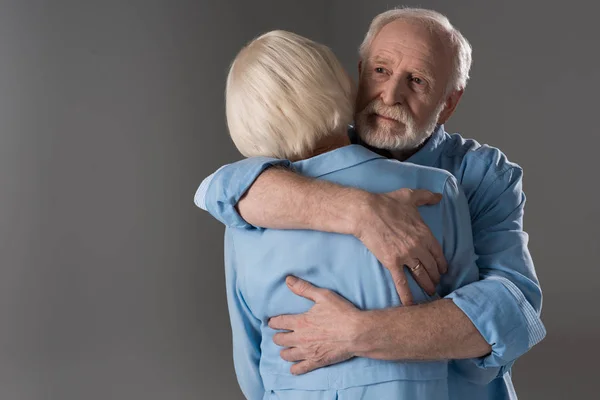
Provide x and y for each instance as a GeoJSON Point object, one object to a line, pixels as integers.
{"type": "Point", "coordinates": [504, 305]}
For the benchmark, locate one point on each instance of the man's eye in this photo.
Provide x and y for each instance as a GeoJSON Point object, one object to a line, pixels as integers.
{"type": "Point", "coordinates": [418, 81]}
{"type": "Point", "coordinates": [380, 70]}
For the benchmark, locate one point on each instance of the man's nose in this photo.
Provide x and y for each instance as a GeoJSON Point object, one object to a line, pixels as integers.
{"type": "Point", "coordinates": [393, 92]}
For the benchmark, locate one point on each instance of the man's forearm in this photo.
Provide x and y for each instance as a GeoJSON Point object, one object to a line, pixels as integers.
{"type": "Point", "coordinates": [434, 331]}
{"type": "Point", "coordinates": [282, 199]}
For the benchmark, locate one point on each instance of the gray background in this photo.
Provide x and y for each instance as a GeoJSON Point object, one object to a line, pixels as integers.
{"type": "Point", "coordinates": [111, 113]}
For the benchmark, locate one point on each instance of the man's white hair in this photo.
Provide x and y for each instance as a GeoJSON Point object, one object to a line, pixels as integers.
{"type": "Point", "coordinates": [438, 24]}
{"type": "Point", "coordinates": [284, 93]}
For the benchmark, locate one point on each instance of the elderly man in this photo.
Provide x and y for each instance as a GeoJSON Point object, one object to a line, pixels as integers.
{"type": "Point", "coordinates": [289, 97]}
{"type": "Point", "coordinates": [413, 70]}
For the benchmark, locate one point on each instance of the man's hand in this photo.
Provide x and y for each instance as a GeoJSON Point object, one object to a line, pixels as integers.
{"type": "Point", "coordinates": [391, 227]}
{"type": "Point", "coordinates": [320, 337]}
{"type": "Point", "coordinates": [333, 330]}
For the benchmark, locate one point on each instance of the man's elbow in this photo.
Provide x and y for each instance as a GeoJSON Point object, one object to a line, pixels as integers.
{"type": "Point", "coordinates": [472, 371]}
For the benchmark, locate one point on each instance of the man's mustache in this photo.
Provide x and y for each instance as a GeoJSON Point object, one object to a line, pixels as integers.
{"type": "Point", "coordinates": [396, 112]}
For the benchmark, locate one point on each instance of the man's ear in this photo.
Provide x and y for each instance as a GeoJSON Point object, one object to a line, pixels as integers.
{"type": "Point", "coordinates": [450, 105]}
{"type": "Point", "coordinates": [359, 67]}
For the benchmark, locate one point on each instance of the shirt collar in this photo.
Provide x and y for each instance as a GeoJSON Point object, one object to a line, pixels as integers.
{"type": "Point", "coordinates": [427, 155]}
{"type": "Point", "coordinates": [335, 160]}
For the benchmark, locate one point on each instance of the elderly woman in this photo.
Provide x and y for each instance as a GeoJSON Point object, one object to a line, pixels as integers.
{"type": "Point", "coordinates": [288, 97]}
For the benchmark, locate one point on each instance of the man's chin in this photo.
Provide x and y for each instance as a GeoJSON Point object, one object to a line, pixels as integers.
{"type": "Point", "coordinates": [385, 133]}
{"type": "Point", "coordinates": [379, 142]}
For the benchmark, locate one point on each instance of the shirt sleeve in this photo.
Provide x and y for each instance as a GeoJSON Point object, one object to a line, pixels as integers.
{"type": "Point", "coordinates": [245, 329]}
{"type": "Point", "coordinates": [505, 304]}
{"type": "Point", "coordinates": [220, 192]}
{"type": "Point", "coordinates": [457, 239]}
{"type": "Point", "coordinates": [459, 251]}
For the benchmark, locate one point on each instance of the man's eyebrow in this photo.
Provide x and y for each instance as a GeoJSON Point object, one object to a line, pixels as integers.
{"type": "Point", "coordinates": [423, 71]}
{"type": "Point", "coordinates": [380, 60]}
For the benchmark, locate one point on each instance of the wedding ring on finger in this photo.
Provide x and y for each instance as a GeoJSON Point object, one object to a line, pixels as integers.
{"type": "Point", "coordinates": [416, 267]}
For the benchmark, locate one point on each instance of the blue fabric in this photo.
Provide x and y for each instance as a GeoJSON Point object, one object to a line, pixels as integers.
{"type": "Point", "coordinates": [379, 391]}
{"type": "Point", "coordinates": [257, 262]}
{"type": "Point", "coordinates": [505, 303]}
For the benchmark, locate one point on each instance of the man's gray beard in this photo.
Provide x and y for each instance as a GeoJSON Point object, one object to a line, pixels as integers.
{"type": "Point", "coordinates": [387, 137]}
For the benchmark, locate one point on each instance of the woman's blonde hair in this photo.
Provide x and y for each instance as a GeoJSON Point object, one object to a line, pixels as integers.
{"type": "Point", "coordinates": [284, 93]}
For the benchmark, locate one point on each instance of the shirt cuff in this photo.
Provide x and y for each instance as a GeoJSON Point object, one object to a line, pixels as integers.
{"type": "Point", "coordinates": [226, 188]}
{"type": "Point", "coordinates": [200, 196]}
{"type": "Point", "coordinates": [504, 318]}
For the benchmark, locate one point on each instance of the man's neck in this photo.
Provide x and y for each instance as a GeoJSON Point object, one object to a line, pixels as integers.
{"type": "Point", "coordinates": [400, 155]}
{"type": "Point", "coordinates": [403, 155]}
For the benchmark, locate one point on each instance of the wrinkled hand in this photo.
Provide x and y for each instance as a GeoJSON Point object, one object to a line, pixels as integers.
{"type": "Point", "coordinates": [392, 228]}
{"type": "Point", "coordinates": [323, 335]}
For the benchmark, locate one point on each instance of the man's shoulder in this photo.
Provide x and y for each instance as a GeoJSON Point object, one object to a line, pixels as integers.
{"type": "Point", "coordinates": [484, 173]}
{"type": "Point", "coordinates": [477, 163]}
{"type": "Point", "coordinates": [472, 151]}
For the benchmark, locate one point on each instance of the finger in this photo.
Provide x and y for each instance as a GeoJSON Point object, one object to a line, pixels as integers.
{"type": "Point", "coordinates": [401, 284]}
{"type": "Point", "coordinates": [304, 366]}
{"type": "Point", "coordinates": [422, 277]}
{"type": "Point", "coordinates": [292, 354]}
{"type": "Point", "coordinates": [285, 339]}
{"type": "Point", "coordinates": [421, 197]}
{"type": "Point", "coordinates": [284, 322]}
{"type": "Point", "coordinates": [428, 262]}
{"type": "Point", "coordinates": [438, 254]}
{"type": "Point", "coordinates": [303, 288]}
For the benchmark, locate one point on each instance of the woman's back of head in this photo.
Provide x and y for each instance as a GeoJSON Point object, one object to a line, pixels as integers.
{"type": "Point", "coordinates": [284, 94]}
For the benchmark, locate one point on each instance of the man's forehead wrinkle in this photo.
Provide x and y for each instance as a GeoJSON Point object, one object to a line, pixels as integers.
{"type": "Point", "coordinates": [393, 57]}
{"type": "Point", "coordinates": [410, 35]}
{"type": "Point", "coordinates": [402, 45]}
{"type": "Point", "coordinates": [419, 45]}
